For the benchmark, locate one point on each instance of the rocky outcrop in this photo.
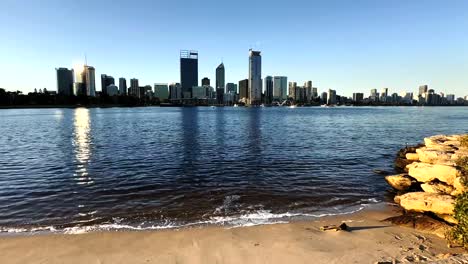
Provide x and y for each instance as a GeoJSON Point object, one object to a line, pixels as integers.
{"type": "Point", "coordinates": [427, 202]}
{"type": "Point", "coordinates": [400, 182]}
{"type": "Point", "coordinates": [435, 167]}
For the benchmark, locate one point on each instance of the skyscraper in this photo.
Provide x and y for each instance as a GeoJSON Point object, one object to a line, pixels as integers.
{"type": "Point", "coordinates": [280, 88]}
{"type": "Point", "coordinates": [175, 91]}
{"type": "Point", "coordinates": [255, 77]}
{"type": "Point", "coordinates": [90, 82]}
{"type": "Point", "coordinates": [331, 97]}
{"type": "Point", "coordinates": [293, 93]}
{"type": "Point", "coordinates": [314, 92]}
{"type": "Point", "coordinates": [188, 72]}
{"type": "Point", "coordinates": [244, 89]}
{"type": "Point", "coordinates": [231, 88]}
{"type": "Point", "coordinates": [106, 80]}
{"type": "Point", "coordinates": [122, 86]}
{"type": "Point", "coordinates": [64, 81]}
{"type": "Point", "coordinates": [308, 91]}
{"type": "Point", "coordinates": [268, 90]}
{"type": "Point", "coordinates": [422, 90]}
{"type": "Point", "coordinates": [134, 89]}
{"type": "Point", "coordinates": [358, 97]}
{"type": "Point", "coordinates": [220, 83]}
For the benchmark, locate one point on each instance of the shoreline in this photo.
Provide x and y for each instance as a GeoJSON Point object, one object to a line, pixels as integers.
{"type": "Point", "coordinates": [368, 240]}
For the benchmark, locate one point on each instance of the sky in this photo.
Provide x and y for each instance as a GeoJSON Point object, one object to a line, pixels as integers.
{"type": "Point", "coordinates": [349, 45]}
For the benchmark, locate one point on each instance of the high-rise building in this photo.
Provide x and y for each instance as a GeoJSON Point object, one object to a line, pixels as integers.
{"type": "Point", "coordinates": [175, 91]}
{"type": "Point", "coordinates": [134, 89]}
{"type": "Point", "coordinates": [374, 95]}
{"type": "Point", "coordinates": [188, 72]}
{"type": "Point", "coordinates": [358, 97]}
{"type": "Point", "coordinates": [308, 91]}
{"type": "Point", "coordinates": [293, 91]}
{"type": "Point", "coordinates": [64, 81]}
{"type": "Point", "coordinates": [106, 80]}
{"type": "Point", "coordinates": [90, 81]}
{"type": "Point", "coordinates": [314, 92]}
{"type": "Point", "coordinates": [450, 98]}
{"type": "Point", "coordinates": [268, 90]}
{"type": "Point", "coordinates": [244, 89]}
{"type": "Point", "coordinates": [112, 90]}
{"type": "Point", "coordinates": [323, 97]}
{"type": "Point", "coordinates": [220, 83]}
{"type": "Point", "coordinates": [122, 86]}
{"type": "Point", "coordinates": [331, 97]}
{"type": "Point", "coordinates": [280, 88]}
{"type": "Point", "coordinates": [231, 88]}
{"type": "Point", "coordinates": [255, 77]}
{"type": "Point", "coordinates": [384, 95]}
{"type": "Point", "coordinates": [205, 81]}
{"type": "Point", "coordinates": [423, 90]}
{"type": "Point", "coordinates": [161, 91]}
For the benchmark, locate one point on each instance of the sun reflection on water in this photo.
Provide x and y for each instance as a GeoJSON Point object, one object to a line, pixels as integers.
{"type": "Point", "coordinates": [81, 145]}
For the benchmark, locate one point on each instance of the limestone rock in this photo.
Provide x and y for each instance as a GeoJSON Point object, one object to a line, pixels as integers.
{"type": "Point", "coordinates": [400, 182]}
{"type": "Point", "coordinates": [427, 202]}
{"type": "Point", "coordinates": [459, 187]}
{"type": "Point", "coordinates": [435, 156]}
{"type": "Point", "coordinates": [439, 143]}
{"type": "Point", "coordinates": [448, 218]}
{"type": "Point", "coordinates": [424, 172]}
{"type": "Point", "coordinates": [412, 156]}
{"type": "Point", "coordinates": [437, 187]}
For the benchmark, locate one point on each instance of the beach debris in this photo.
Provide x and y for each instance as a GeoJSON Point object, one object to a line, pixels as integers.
{"type": "Point", "coordinates": [342, 227]}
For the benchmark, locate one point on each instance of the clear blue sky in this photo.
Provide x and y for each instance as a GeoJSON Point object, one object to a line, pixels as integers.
{"type": "Point", "coordinates": [344, 45]}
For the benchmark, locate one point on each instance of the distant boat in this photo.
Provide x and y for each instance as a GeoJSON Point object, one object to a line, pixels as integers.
{"type": "Point", "coordinates": [236, 105]}
{"type": "Point", "coordinates": [292, 106]}
{"type": "Point", "coordinates": [262, 105]}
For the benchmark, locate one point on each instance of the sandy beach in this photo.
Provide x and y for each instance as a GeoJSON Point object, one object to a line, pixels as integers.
{"type": "Point", "coordinates": [369, 240]}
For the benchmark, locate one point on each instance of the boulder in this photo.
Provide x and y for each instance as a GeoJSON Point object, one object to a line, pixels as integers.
{"type": "Point", "coordinates": [400, 182]}
{"type": "Point", "coordinates": [437, 187]}
{"type": "Point", "coordinates": [438, 143]}
{"type": "Point", "coordinates": [435, 156]}
{"type": "Point", "coordinates": [421, 223]}
{"type": "Point", "coordinates": [427, 202]}
{"type": "Point", "coordinates": [448, 218]}
{"type": "Point", "coordinates": [459, 186]}
{"type": "Point", "coordinates": [424, 172]}
{"type": "Point", "coordinates": [412, 156]}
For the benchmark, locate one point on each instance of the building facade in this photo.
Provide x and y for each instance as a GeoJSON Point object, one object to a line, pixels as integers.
{"type": "Point", "coordinates": [122, 86]}
{"type": "Point", "coordinates": [255, 78]}
{"type": "Point", "coordinates": [268, 90]}
{"type": "Point", "coordinates": [161, 91]}
{"type": "Point", "coordinates": [90, 81]}
{"type": "Point", "coordinates": [64, 81]}
{"type": "Point", "coordinates": [188, 72]}
{"type": "Point", "coordinates": [106, 80]}
{"type": "Point", "coordinates": [280, 88]}
{"type": "Point", "coordinates": [244, 90]}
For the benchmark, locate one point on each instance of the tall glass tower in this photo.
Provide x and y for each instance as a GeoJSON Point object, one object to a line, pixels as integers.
{"type": "Point", "coordinates": [188, 71]}
{"type": "Point", "coordinates": [255, 77]}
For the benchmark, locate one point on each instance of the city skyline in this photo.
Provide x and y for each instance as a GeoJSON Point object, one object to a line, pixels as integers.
{"type": "Point", "coordinates": [340, 46]}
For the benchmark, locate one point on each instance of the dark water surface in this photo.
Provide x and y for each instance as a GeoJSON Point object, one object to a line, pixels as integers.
{"type": "Point", "coordinates": [86, 169]}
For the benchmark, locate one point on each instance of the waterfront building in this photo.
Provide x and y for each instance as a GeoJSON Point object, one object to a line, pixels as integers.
{"type": "Point", "coordinates": [175, 91]}
{"type": "Point", "coordinates": [280, 88]}
{"type": "Point", "coordinates": [244, 90]}
{"type": "Point", "coordinates": [134, 89]}
{"type": "Point", "coordinates": [293, 91]}
{"type": "Point", "coordinates": [314, 93]}
{"type": "Point", "coordinates": [323, 98]}
{"type": "Point", "coordinates": [199, 92]}
{"type": "Point", "coordinates": [90, 82]}
{"type": "Point", "coordinates": [331, 97]}
{"type": "Point", "coordinates": [308, 91]}
{"type": "Point", "coordinates": [374, 95]}
{"type": "Point", "coordinates": [450, 98]}
{"type": "Point", "coordinates": [384, 95]}
{"type": "Point", "coordinates": [64, 81]}
{"type": "Point", "coordinates": [231, 87]}
{"type": "Point", "coordinates": [423, 89]}
{"type": "Point", "coordinates": [220, 83]}
{"type": "Point", "coordinates": [268, 90]}
{"type": "Point", "coordinates": [112, 90]}
{"type": "Point", "coordinates": [205, 81]}
{"type": "Point", "coordinates": [255, 77]}
{"type": "Point", "coordinates": [106, 80]}
{"type": "Point", "coordinates": [358, 97]}
{"type": "Point", "coordinates": [161, 91]}
{"type": "Point", "coordinates": [188, 72]}
{"type": "Point", "coordinates": [122, 86]}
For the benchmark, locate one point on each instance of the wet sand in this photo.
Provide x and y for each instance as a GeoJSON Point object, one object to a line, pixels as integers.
{"type": "Point", "coordinates": [369, 240]}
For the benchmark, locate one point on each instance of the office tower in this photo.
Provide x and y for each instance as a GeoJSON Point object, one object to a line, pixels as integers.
{"type": "Point", "coordinates": [324, 98]}
{"type": "Point", "coordinates": [358, 97]}
{"type": "Point", "coordinates": [423, 90]}
{"type": "Point", "coordinates": [308, 91]}
{"type": "Point", "coordinates": [188, 71]}
{"type": "Point", "coordinates": [220, 83]}
{"type": "Point", "coordinates": [314, 92]}
{"type": "Point", "coordinates": [374, 95]}
{"type": "Point", "coordinates": [106, 80]}
{"type": "Point", "coordinates": [231, 88]}
{"type": "Point", "coordinates": [90, 82]}
{"type": "Point", "coordinates": [268, 90]}
{"type": "Point", "coordinates": [161, 91]}
{"type": "Point", "coordinates": [200, 92]}
{"type": "Point", "coordinates": [64, 81]}
{"type": "Point", "coordinates": [331, 97]}
{"type": "Point", "coordinates": [255, 77]}
{"type": "Point", "coordinates": [112, 90]}
{"type": "Point", "coordinates": [175, 91]}
{"type": "Point", "coordinates": [134, 89]}
{"type": "Point", "coordinates": [384, 95]}
{"type": "Point", "coordinates": [244, 89]}
{"type": "Point", "coordinates": [122, 86]}
{"type": "Point", "coordinates": [280, 88]}
{"type": "Point", "coordinates": [451, 98]}
{"type": "Point", "coordinates": [205, 81]}
{"type": "Point", "coordinates": [293, 91]}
